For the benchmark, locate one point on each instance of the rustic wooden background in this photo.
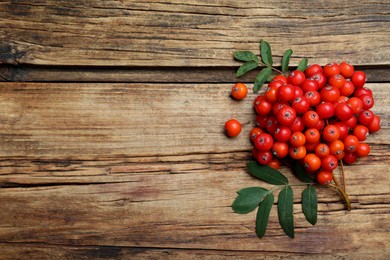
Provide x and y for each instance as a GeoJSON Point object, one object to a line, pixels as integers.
{"type": "Point", "coordinates": [111, 116]}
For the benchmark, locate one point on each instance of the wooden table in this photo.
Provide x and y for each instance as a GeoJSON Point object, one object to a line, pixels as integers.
{"type": "Point", "coordinates": [111, 115]}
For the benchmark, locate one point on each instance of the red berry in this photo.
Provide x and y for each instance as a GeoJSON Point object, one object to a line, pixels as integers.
{"type": "Point", "coordinates": [362, 150]}
{"type": "Point", "coordinates": [343, 111]}
{"type": "Point", "coordinates": [297, 125]}
{"type": "Point", "coordinates": [264, 157]}
{"type": "Point", "coordinates": [324, 177]}
{"type": "Point", "coordinates": [286, 92]}
{"type": "Point", "coordinates": [358, 79]}
{"type": "Point", "coordinates": [286, 115]}
{"type": "Point", "coordinates": [311, 162]}
{"type": "Point", "coordinates": [331, 69]}
{"type": "Point", "coordinates": [314, 97]}
{"type": "Point", "coordinates": [331, 133]}
{"type": "Point", "coordinates": [325, 110]}
{"type": "Point", "coordinates": [347, 89]}
{"type": "Point", "coordinates": [281, 78]}
{"type": "Point", "coordinates": [346, 69]}
{"type": "Point", "coordinates": [356, 104]}
{"type": "Point", "coordinates": [232, 127]}
{"type": "Point", "coordinates": [361, 132]}
{"type": "Point", "coordinates": [239, 91]}
{"type": "Point", "coordinates": [282, 134]}
{"type": "Point", "coordinates": [280, 150]}
{"type": "Point", "coordinates": [312, 70]}
{"type": "Point", "coordinates": [320, 78]}
{"type": "Point", "coordinates": [301, 104]}
{"type": "Point", "coordinates": [264, 142]}
{"type": "Point", "coordinates": [367, 100]}
{"type": "Point", "coordinates": [310, 118]}
{"type": "Point", "coordinates": [310, 85]}
{"type": "Point", "coordinates": [255, 132]}
{"type": "Point", "coordinates": [322, 150]}
{"type": "Point", "coordinates": [297, 139]}
{"type": "Point", "coordinates": [330, 94]}
{"type": "Point", "coordinates": [366, 117]}
{"type": "Point", "coordinates": [329, 163]}
{"type": "Point", "coordinates": [350, 143]}
{"type": "Point", "coordinates": [362, 91]}
{"type": "Point", "coordinates": [349, 158]}
{"type": "Point", "coordinates": [296, 78]}
{"type": "Point", "coordinates": [343, 129]}
{"type": "Point", "coordinates": [263, 107]}
{"type": "Point", "coordinates": [375, 125]}
{"type": "Point", "coordinates": [337, 81]}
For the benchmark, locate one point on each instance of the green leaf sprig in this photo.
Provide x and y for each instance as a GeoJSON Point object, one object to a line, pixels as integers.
{"type": "Point", "coordinates": [248, 199]}
{"type": "Point", "coordinates": [251, 62]}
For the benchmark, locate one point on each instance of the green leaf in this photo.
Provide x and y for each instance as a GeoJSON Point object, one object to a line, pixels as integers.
{"type": "Point", "coordinates": [286, 60]}
{"type": "Point", "coordinates": [270, 78]}
{"type": "Point", "coordinates": [266, 54]}
{"type": "Point", "coordinates": [247, 66]}
{"type": "Point", "coordinates": [302, 65]}
{"type": "Point", "coordinates": [300, 173]}
{"type": "Point", "coordinates": [285, 210]}
{"type": "Point", "coordinates": [309, 204]}
{"type": "Point", "coordinates": [261, 79]}
{"type": "Point", "coordinates": [245, 56]}
{"type": "Point", "coordinates": [263, 214]}
{"type": "Point", "coordinates": [266, 173]}
{"type": "Point", "coordinates": [248, 199]}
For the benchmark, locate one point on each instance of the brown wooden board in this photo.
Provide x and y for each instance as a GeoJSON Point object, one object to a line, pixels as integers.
{"type": "Point", "coordinates": [144, 170]}
{"type": "Point", "coordinates": [190, 33]}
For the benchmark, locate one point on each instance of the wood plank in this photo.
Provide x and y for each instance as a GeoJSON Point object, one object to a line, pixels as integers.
{"type": "Point", "coordinates": [149, 75]}
{"type": "Point", "coordinates": [190, 33]}
{"type": "Point", "coordinates": [144, 170]}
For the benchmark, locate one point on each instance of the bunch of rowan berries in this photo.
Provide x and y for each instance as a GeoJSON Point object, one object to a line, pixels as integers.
{"type": "Point", "coordinates": [319, 117]}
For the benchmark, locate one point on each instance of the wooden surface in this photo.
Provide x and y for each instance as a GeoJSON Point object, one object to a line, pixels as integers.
{"type": "Point", "coordinates": [111, 141]}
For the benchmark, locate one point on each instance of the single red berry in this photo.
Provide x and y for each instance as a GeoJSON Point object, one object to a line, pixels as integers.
{"type": "Point", "coordinates": [275, 163]}
{"type": "Point", "coordinates": [329, 163]}
{"type": "Point", "coordinates": [349, 158]}
{"type": "Point", "coordinates": [310, 118]}
{"type": "Point", "coordinates": [362, 91]}
{"type": "Point", "coordinates": [271, 94]}
{"type": "Point", "coordinates": [301, 104]}
{"type": "Point", "coordinates": [375, 125]}
{"type": "Point", "coordinates": [314, 97]}
{"type": "Point", "coordinates": [281, 78]}
{"type": "Point", "coordinates": [297, 125]}
{"type": "Point", "coordinates": [367, 100]}
{"type": "Point", "coordinates": [264, 142]}
{"type": "Point", "coordinates": [356, 104]}
{"type": "Point", "coordinates": [361, 132]}
{"type": "Point", "coordinates": [282, 134]}
{"type": "Point", "coordinates": [271, 124]}
{"type": "Point", "coordinates": [347, 89]}
{"type": "Point", "coordinates": [297, 139]}
{"type": "Point", "coordinates": [263, 107]}
{"type": "Point", "coordinates": [311, 162]}
{"type": "Point", "coordinates": [365, 117]}
{"type": "Point", "coordinates": [363, 150]}
{"type": "Point", "coordinates": [296, 78]}
{"type": "Point", "coordinates": [278, 105]}
{"type": "Point", "coordinates": [343, 111]}
{"type": "Point", "coordinates": [324, 177]}
{"type": "Point", "coordinates": [320, 78]}
{"type": "Point", "coordinates": [331, 133]}
{"type": "Point", "coordinates": [264, 157]}
{"type": "Point", "coordinates": [232, 127]}
{"type": "Point", "coordinates": [325, 110]}
{"type": "Point", "coordinates": [286, 92]}
{"type": "Point", "coordinates": [336, 148]}
{"type": "Point", "coordinates": [298, 92]}
{"type": "Point", "coordinates": [330, 94]}
{"type": "Point", "coordinates": [350, 143]}
{"type": "Point", "coordinates": [255, 132]}
{"type": "Point", "coordinates": [280, 150]}
{"type": "Point", "coordinates": [261, 121]}
{"type": "Point", "coordinates": [336, 80]}
{"type": "Point", "coordinates": [297, 153]}
{"type": "Point", "coordinates": [320, 125]}
{"type": "Point", "coordinates": [239, 91]}
{"type": "Point", "coordinates": [309, 85]}
{"type": "Point", "coordinates": [331, 69]}
{"type": "Point", "coordinates": [322, 150]}
{"type": "Point", "coordinates": [358, 79]}
{"type": "Point", "coordinates": [312, 70]}
{"type": "Point", "coordinates": [346, 69]}
{"type": "Point", "coordinates": [312, 135]}
{"type": "Point", "coordinates": [343, 129]}
{"type": "Point", "coordinates": [351, 123]}
{"type": "Point", "coordinates": [286, 115]}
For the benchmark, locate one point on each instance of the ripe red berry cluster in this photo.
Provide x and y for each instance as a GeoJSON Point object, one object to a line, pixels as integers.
{"type": "Point", "coordinates": [318, 116]}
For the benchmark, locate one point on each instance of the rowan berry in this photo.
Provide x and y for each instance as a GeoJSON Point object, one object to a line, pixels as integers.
{"type": "Point", "coordinates": [375, 125]}
{"type": "Point", "coordinates": [296, 78]}
{"type": "Point", "coordinates": [312, 135]}
{"type": "Point", "coordinates": [349, 158]}
{"type": "Point", "coordinates": [325, 110]}
{"type": "Point", "coordinates": [331, 133]}
{"type": "Point", "coordinates": [346, 69]}
{"type": "Point", "coordinates": [239, 91]}
{"type": "Point", "coordinates": [324, 177]}
{"type": "Point", "coordinates": [232, 127]}
{"type": "Point", "coordinates": [312, 70]}
{"type": "Point", "coordinates": [286, 115]}
{"type": "Point", "coordinates": [329, 163]}
{"type": "Point", "coordinates": [358, 79]}
{"type": "Point", "coordinates": [331, 69]}
{"type": "Point", "coordinates": [361, 132]}
{"type": "Point", "coordinates": [255, 132]}
{"type": "Point", "coordinates": [311, 162]}
{"type": "Point", "coordinates": [280, 150]}
{"type": "Point", "coordinates": [264, 157]}
{"type": "Point", "coordinates": [297, 139]}
{"type": "Point", "coordinates": [264, 142]}
{"type": "Point", "coordinates": [322, 150]}
{"type": "Point", "coordinates": [286, 92]}
{"type": "Point", "coordinates": [297, 153]}
{"type": "Point", "coordinates": [362, 150]}
{"type": "Point", "coordinates": [350, 143]}
{"type": "Point", "coordinates": [310, 118]}
{"type": "Point", "coordinates": [336, 80]}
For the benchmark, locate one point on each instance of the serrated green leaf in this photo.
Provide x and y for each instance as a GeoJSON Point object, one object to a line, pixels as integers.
{"type": "Point", "coordinates": [261, 78]}
{"type": "Point", "coordinates": [245, 56]}
{"type": "Point", "coordinates": [300, 173]}
{"type": "Point", "coordinates": [266, 54]}
{"type": "Point", "coordinates": [263, 214]}
{"type": "Point", "coordinates": [266, 173]}
{"type": "Point", "coordinates": [285, 210]}
{"type": "Point", "coordinates": [286, 60]}
{"type": "Point", "coordinates": [247, 66]}
{"type": "Point", "coordinates": [310, 204]}
{"type": "Point", "coordinates": [248, 199]}
{"type": "Point", "coordinates": [302, 64]}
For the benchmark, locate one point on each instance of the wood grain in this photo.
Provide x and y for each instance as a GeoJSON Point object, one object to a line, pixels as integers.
{"type": "Point", "coordinates": [190, 33]}
{"type": "Point", "coordinates": [144, 170]}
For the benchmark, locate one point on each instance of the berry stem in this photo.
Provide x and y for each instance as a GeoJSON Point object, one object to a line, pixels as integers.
{"type": "Point", "coordinates": [272, 68]}
{"type": "Point", "coordinates": [343, 174]}
{"type": "Point", "coordinates": [343, 195]}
